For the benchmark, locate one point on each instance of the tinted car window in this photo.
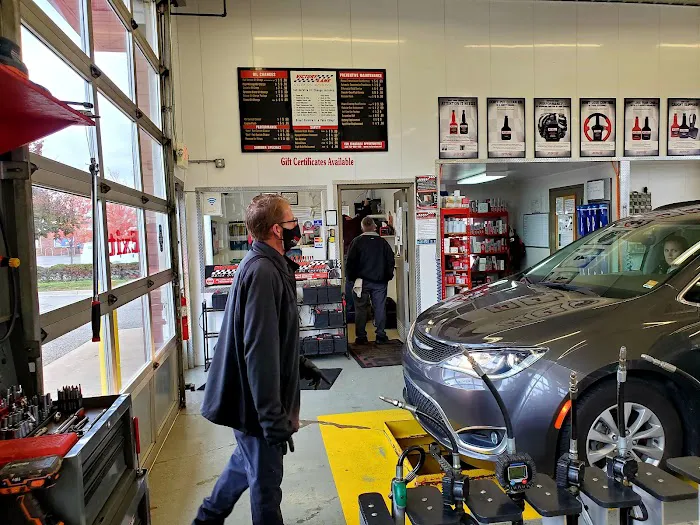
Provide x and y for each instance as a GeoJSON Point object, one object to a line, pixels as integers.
{"type": "Point", "coordinates": [628, 258]}
{"type": "Point", "coordinates": [693, 293]}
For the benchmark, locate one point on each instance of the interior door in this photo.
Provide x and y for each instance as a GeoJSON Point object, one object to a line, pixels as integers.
{"type": "Point", "coordinates": [563, 215]}
{"type": "Point", "coordinates": [403, 267]}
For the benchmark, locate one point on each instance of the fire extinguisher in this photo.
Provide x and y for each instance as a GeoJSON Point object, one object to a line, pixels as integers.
{"type": "Point", "coordinates": [184, 320]}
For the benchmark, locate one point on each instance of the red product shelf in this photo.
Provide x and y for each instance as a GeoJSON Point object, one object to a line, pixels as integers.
{"type": "Point", "coordinates": [469, 273]}
{"type": "Point", "coordinates": [29, 112]}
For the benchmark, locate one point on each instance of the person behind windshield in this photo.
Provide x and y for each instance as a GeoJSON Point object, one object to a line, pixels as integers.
{"type": "Point", "coordinates": [673, 247]}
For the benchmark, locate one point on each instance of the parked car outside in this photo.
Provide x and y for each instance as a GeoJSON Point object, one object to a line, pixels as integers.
{"type": "Point", "coordinates": [635, 283]}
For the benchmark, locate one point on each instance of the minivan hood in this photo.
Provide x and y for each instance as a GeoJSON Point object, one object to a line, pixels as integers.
{"type": "Point", "coordinates": [511, 312]}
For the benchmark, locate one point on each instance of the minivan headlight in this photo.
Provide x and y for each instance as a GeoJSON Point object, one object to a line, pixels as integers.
{"type": "Point", "coordinates": [498, 363]}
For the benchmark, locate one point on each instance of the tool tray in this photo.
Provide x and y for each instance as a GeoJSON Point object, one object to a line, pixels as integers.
{"type": "Point", "coordinates": [550, 500]}
{"type": "Point", "coordinates": [688, 466]}
{"type": "Point", "coordinates": [662, 485]}
{"type": "Point", "coordinates": [607, 493]}
{"type": "Point", "coordinates": [489, 504]}
{"type": "Point", "coordinates": [373, 510]}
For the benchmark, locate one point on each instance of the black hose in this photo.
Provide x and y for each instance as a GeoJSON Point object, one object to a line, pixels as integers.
{"type": "Point", "coordinates": [572, 397]}
{"type": "Point", "coordinates": [501, 405]}
{"type": "Point", "coordinates": [645, 513]}
{"type": "Point", "coordinates": [688, 376]}
{"type": "Point", "coordinates": [421, 461]}
{"type": "Point", "coordinates": [621, 409]}
{"type": "Point", "coordinates": [13, 282]}
{"type": "Point", "coordinates": [440, 424]}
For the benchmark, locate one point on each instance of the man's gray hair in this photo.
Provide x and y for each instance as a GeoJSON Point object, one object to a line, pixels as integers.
{"type": "Point", "coordinates": [368, 225]}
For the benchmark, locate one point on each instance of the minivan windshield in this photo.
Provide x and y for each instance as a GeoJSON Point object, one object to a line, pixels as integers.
{"type": "Point", "coordinates": [628, 258]}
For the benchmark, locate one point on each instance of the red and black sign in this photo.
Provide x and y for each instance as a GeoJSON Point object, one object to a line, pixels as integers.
{"type": "Point", "coordinates": [347, 113]}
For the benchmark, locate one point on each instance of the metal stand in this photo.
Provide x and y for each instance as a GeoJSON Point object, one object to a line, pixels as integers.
{"type": "Point", "coordinates": [688, 467]}
{"type": "Point", "coordinates": [604, 498]}
{"type": "Point", "coordinates": [666, 498]}
{"type": "Point", "coordinates": [553, 503]}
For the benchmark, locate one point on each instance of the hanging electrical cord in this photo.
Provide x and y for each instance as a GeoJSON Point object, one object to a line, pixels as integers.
{"type": "Point", "coordinates": [14, 284]}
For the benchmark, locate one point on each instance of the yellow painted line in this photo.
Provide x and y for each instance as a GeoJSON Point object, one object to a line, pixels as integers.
{"type": "Point", "coordinates": [362, 451]}
{"type": "Point", "coordinates": [103, 360]}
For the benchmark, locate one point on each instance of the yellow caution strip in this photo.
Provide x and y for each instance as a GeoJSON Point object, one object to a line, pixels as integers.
{"type": "Point", "coordinates": [362, 451]}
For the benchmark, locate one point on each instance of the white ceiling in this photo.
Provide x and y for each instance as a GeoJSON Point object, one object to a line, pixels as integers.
{"type": "Point", "coordinates": [515, 171]}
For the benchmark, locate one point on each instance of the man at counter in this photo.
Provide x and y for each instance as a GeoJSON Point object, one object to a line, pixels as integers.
{"type": "Point", "coordinates": [253, 383]}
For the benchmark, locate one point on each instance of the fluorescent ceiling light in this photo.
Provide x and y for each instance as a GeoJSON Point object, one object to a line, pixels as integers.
{"type": "Point", "coordinates": [480, 178]}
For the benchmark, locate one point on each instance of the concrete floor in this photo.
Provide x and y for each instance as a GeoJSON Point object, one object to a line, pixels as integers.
{"type": "Point", "coordinates": [196, 451]}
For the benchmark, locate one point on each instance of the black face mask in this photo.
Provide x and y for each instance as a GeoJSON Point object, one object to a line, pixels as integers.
{"type": "Point", "coordinates": [290, 237]}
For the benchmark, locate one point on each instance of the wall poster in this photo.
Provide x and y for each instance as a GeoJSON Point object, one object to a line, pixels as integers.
{"type": "Point", "coordinates": [506, 128]}
{"type": "Point", "coordinates": [312, 110]}
{"type": "Point", "coordinates": [426, 192]}
{"type": "Point", "coordinates": [552, 128]}
{"type": "Point", "coordinates": [641, 127]}
{"type": "Point", "coordinates": [682, 130]}
{"type": "Point", "coordinates": [459, 127]}
{"type": "Point", "coordinates": [598, 124]}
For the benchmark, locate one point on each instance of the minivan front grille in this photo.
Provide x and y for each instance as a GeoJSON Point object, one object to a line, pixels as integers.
{"type": "Point", "coordinates": [430, 350]}
{"type": "Point", "coordinates": [416, 398]}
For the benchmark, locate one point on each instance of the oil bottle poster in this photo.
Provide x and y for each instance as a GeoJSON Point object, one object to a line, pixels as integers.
{"type": "Point", "coordinates": [682, 126]}
{"type": "Point", "coordinates": [641, 127]}
{"type": "Point", "coordinates": [459, 131]}
{"type": "Point", "coordinates": [506, 128]}
{"type": "Point", "coordinates": [598, 126]}
{"type": "Point", "coordinates": [552, 128]}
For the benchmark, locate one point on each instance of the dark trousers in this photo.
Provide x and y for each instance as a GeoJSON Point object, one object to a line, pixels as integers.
{"type": "Point", "coordinates": [255, 465]}
{"type": "Point", "coordinates": [377, 293]}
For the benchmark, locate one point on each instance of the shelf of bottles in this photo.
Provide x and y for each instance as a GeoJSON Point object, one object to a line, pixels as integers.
{"type": "Point", "coordinates": [473, 247]}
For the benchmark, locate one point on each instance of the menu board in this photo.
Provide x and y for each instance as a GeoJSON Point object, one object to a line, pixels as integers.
{"type": "Point", "coordinates": [312, 110]}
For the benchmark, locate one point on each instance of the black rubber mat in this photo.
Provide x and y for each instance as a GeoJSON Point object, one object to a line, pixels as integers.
{"type": "Point", "coordinates": [330, 373]}
{"type": "Point", "coordinates": [372, 355]}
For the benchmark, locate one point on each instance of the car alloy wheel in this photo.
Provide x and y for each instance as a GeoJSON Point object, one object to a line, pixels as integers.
{"type": "Point", "coordinates": [645, 435]}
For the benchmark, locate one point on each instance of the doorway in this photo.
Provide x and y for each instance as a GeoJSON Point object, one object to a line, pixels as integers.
{"type": "Point", "coordinates": [563, 215]}
{"type": "Point", "coordinates": [392, 206]}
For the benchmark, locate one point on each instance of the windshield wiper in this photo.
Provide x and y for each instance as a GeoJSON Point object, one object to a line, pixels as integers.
{"type": "Point", "coordinates": [568, 288]}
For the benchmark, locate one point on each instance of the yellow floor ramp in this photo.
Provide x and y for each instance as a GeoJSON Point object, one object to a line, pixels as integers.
{"type": "Point", "coordinates": [363, 448]}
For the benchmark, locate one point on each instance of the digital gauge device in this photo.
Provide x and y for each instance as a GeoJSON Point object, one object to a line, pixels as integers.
{"type": "Point", "coordinates": [514, 472]}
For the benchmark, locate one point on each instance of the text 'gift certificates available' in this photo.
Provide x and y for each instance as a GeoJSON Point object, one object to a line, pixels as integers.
{"type": "Point", "coordinates": [506, 128]}
{"type": "Point", "coordinates": [682, 126]}
{"type": "Point", "coordinates": [598, 127]}
{"type": "Point", "coordinates": [552, 127]}
{"type": "Point", "coordinates": [641, 127]}
{"type": "Point", "coordinates": [314, 110]}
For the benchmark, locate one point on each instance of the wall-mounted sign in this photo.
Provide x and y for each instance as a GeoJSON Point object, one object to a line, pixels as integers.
{"type": "Point", "coordinates": [682, 126]}
{"type": "Point", "coordinates": [506, 128]}
{"type": "Point", "coordinates": [598, 121]}
{"type": "Point", "coordinates": [426, 192]}
{"type": "Point", "coordinates": [291, 196]}
{"type": "Point", "coordinates": [641, 127]}
{"type": "Point", "coordinates": [459, 127]}
{"type": "Point", "coordinates": [552, 127]}
{"type": "Point", "coordinates": [426, 227]}
{"type": "Point", "coordinates": [308, 161]}
{"type": "Point", "coordinates": [312, 110]}
{"type": "Point", "coordinates": [211, 203]}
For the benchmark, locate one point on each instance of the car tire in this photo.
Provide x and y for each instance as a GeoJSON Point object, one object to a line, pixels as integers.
{"type": "Point", "coordinates": [642, 393]}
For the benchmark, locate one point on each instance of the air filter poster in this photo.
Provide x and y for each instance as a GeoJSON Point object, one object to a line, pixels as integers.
{"type": "Point", "coordinates": [682, 130]}
{"type": "Point", "coordinates": [459, 132]}
{"type": "Point", "coordinates": [506, 128]}
{"type": "Point", "coordinates": [552, 128]}
{"type": "Point", "coordinates": [598, 127]}
{"type": "Point", "coordinates": [641, 127]}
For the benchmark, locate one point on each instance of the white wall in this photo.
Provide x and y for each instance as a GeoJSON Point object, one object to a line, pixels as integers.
{"type": "Point", "coordinates": [534, 196]}
{"type": "Point", "coordinates": [668, 181]}
{"type": "Point", "coordinates": [429, 49]}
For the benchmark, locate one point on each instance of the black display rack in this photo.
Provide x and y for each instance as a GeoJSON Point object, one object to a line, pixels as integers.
{"type": "Point", "coordinates": [206, 310]}
{"type": "Point", "coordinates": [330, 324]}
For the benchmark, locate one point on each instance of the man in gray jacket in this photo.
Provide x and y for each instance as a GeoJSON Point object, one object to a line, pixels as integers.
{"type": "Point", "coordinates": [253, 383]}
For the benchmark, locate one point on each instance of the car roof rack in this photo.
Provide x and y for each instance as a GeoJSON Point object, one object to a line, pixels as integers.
{"type": "Point", "coordinates": [677, 205]}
